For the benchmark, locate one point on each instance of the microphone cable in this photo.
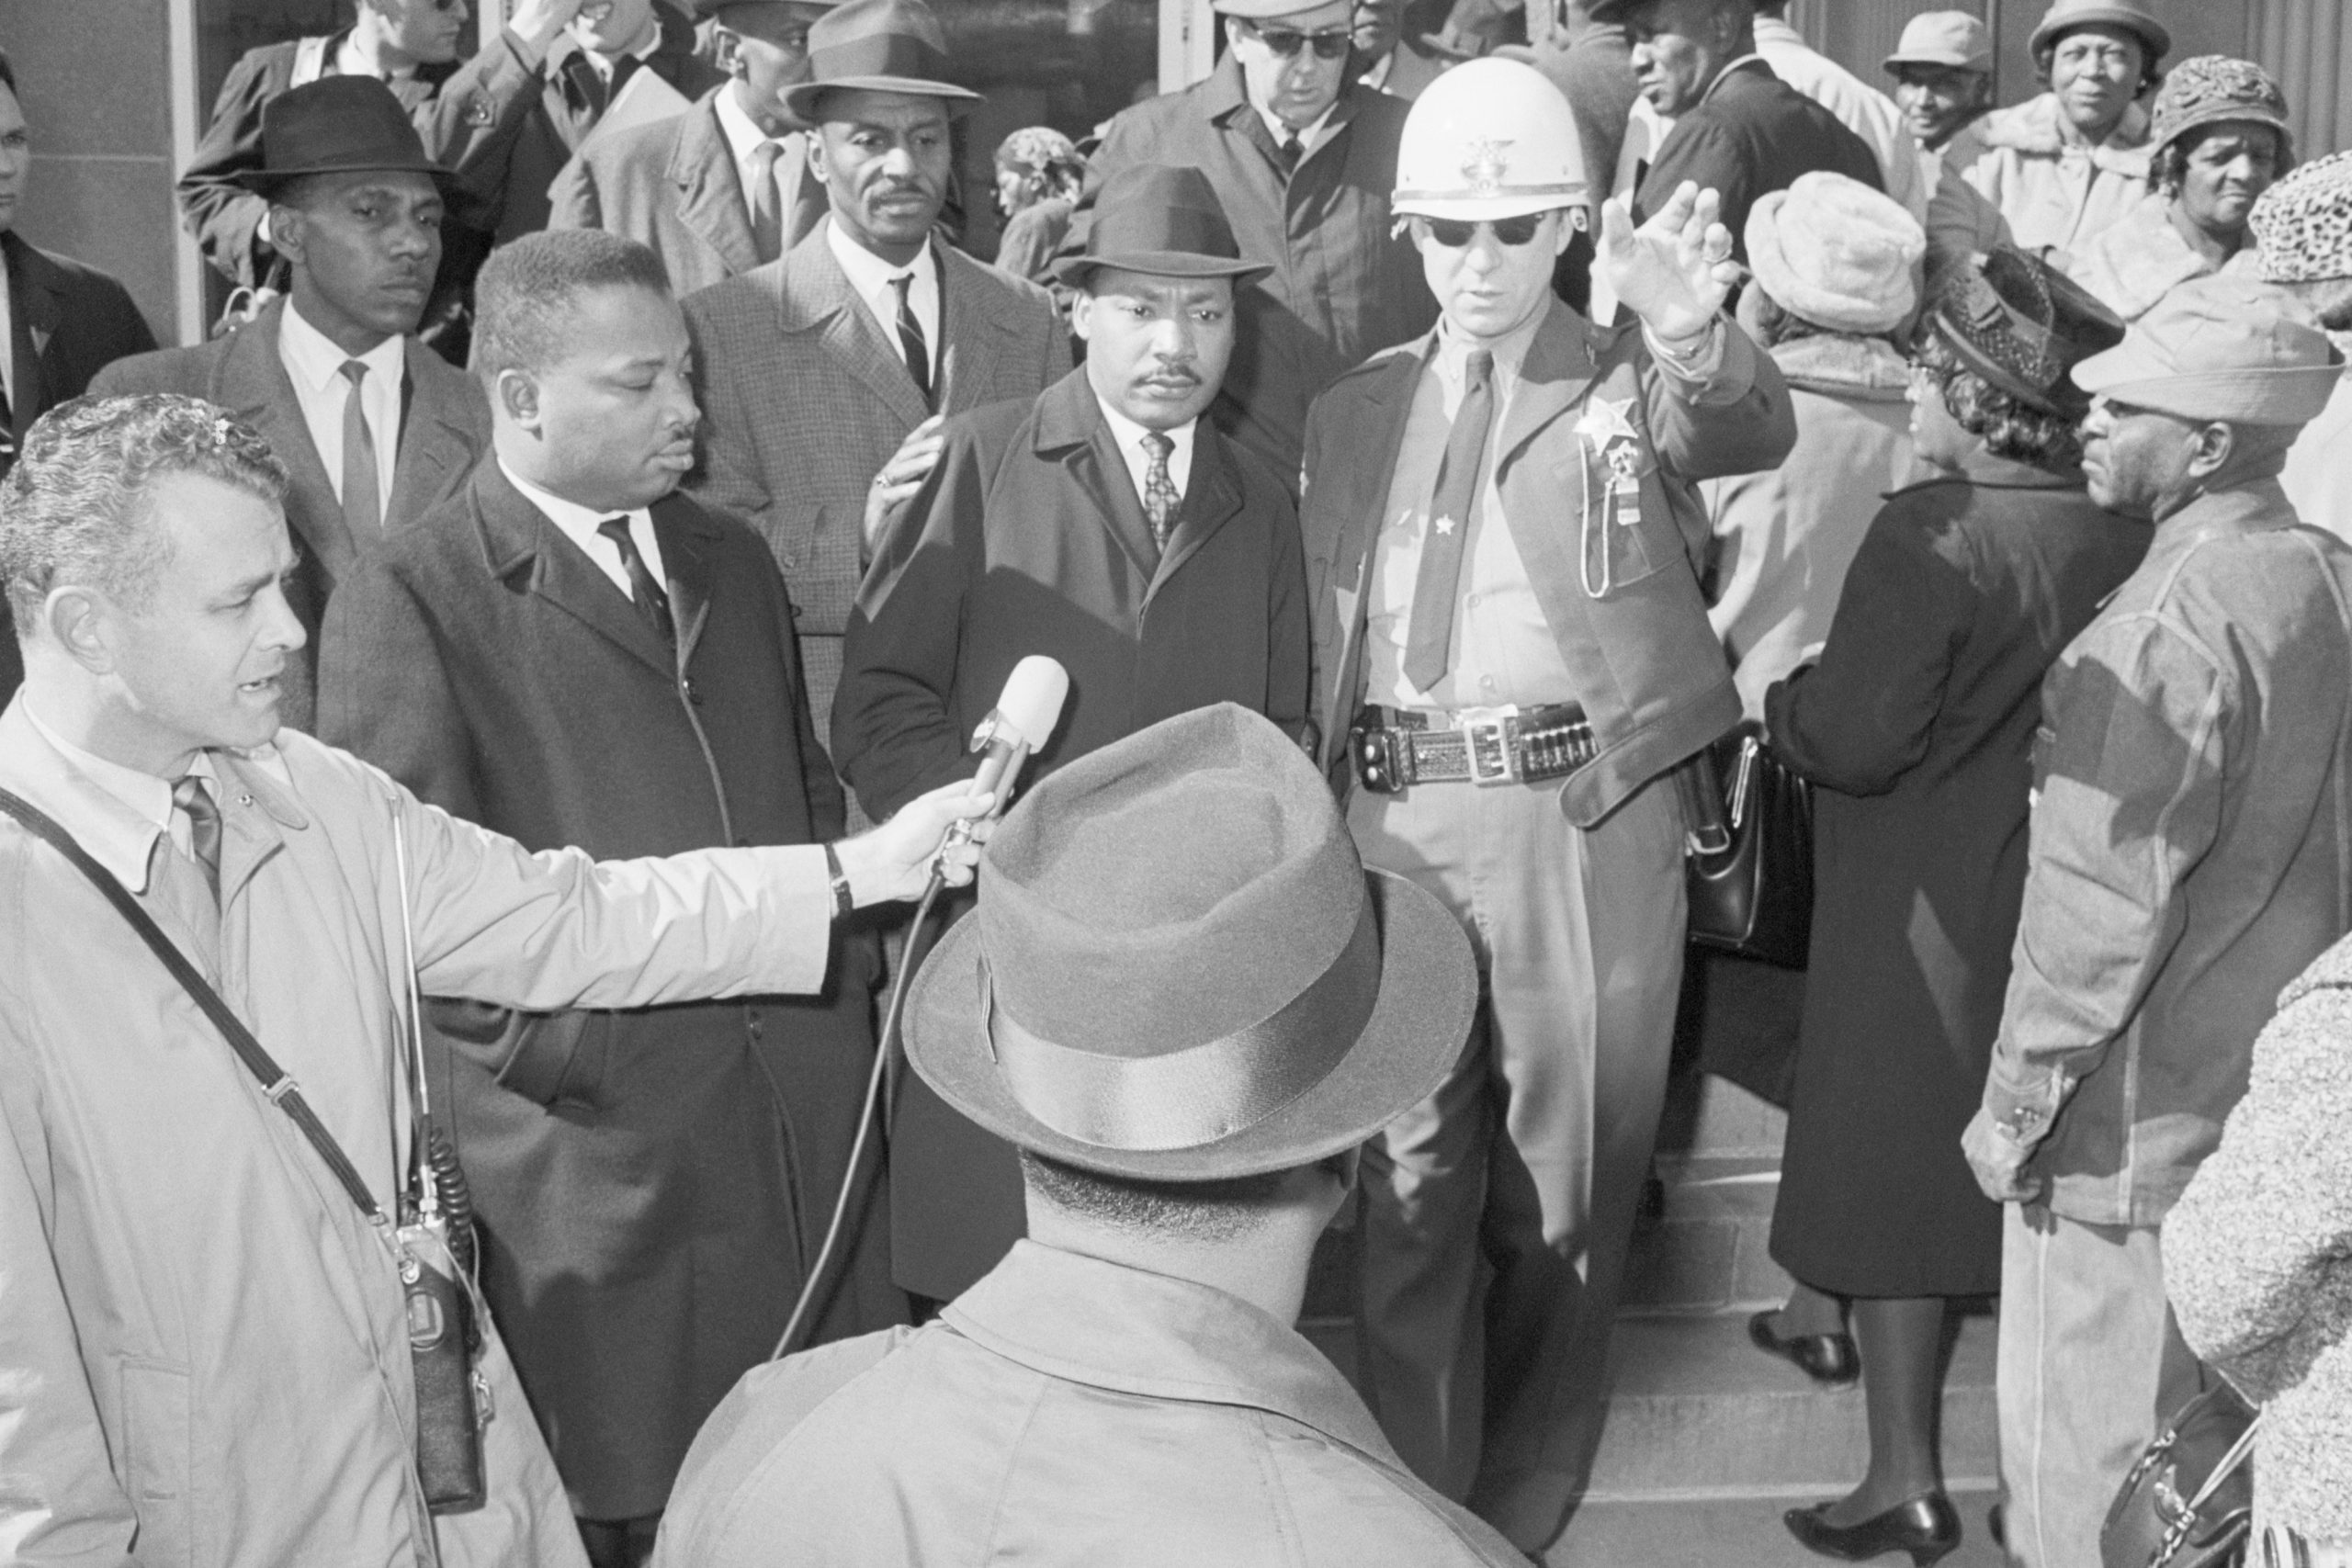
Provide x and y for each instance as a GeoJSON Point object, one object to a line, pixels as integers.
{"type": "Point", "coordinates": [867, 1117]}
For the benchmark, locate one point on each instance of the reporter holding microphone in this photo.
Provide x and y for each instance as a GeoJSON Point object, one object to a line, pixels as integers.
{"type": "Point", "coordinates": [204, 1351]}
{"type": "Point", "coordinates": [1106, 525]}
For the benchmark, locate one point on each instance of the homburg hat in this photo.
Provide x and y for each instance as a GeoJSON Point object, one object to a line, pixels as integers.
{"type": "Point", "coordinates": [1166, 221]}
{"type": "Point", "coordinates": [877, 45]}
{"type": "Point", "coordinates": [1181, 970]}
{"type": "Point", "coordinates": [337, 125]}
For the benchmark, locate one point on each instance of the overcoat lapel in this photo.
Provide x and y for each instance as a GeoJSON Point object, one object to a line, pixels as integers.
{"type": "Point", "coordinates": [1212, 498]}
{"type": "Point", "coordinates": [685, 543]}
{"type": "Point", "coordinates": [818, 297]}
{"type": "Point", "coordinates": [710, 193]}
{"type": "Point", "coordinates": [1070, 427]}
{"type": "Point", "coordinates": [974, 334]}
{"type": "Point", "coordinates": [254, 387]}
{"type": "Point", "coordinates": [515, 534]}
{"type": "Point", "coordinates": [37, 313]}
{"type": "Point", "coordinates": [434, 442]}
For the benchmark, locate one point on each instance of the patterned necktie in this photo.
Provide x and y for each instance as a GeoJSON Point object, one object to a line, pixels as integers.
{"type": "Point", "coordinates": [1428, 641]}
{"type": "Point", "coordinates": [192, 798]}
{"type": "Point", "coordinates": [911, 342]}
{"type": "Point", "coordinates": [766, 203]}
{"type": "Point", "coordinates": [1159, 497]}
{"type": "Point", "coordinates": [363, 509]}
{"type": "Point", "coordinates": [645, 594]}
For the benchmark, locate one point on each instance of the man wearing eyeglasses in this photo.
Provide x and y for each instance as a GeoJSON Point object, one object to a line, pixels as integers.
{"type": "Point", "coordinates": [1302, 157]}
{"type": "Point", "coordinates": [1511, 654]}
{"type": "Point", "coordinates": [724, 187]}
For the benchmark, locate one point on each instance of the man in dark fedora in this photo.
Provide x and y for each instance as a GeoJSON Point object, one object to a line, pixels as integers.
{"type": "Point", "coordinates": [1109, 524]}
{"type": "Point", "coordinates": [373, 428]}
{"type": "Point", "coordinates": [1188, 1002]}
{"type": "Point", "coordinates": [822, 377]}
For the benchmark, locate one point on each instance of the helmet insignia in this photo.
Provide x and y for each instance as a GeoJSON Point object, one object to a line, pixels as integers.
{"type": "Point", "coordinates": [1487, 166]}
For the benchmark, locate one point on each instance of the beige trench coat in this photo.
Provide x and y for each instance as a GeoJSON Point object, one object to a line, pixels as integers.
{"type": "Point", "coordinates": [202, 1349]}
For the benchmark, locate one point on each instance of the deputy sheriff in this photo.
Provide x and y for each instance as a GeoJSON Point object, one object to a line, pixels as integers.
{"type": "Point", "coordinates": [1512, 655]}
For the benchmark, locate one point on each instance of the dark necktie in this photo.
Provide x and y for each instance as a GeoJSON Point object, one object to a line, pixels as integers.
{"type": "Point", "coordinates": [192, 798]}
{"type": "Point", "coordinates": [645, 594]}
{"type": "Point", "coordinates": [1289, 152]}
{"type": "Point", "coordinates": [911, 342]}
{"type": "Point", "coordinates": [362, 508]}
{"type": "Point", "coordinates": [1429, 640]}
{"type": "Point", "coordinates": [1159, 497]}
{"type": "Point", "coordinates": [584, 86]}
{"type": "Point", "coordinates": [766, 204]}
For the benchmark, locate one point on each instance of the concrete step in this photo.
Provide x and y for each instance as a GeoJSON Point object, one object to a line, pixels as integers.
{"type": "Point", "coordinates": [1709, 1252]}
{"type": "Point", "coordinates": [1698, 1414]}
{"type": "Point", "coordinates": [1730, 1533]}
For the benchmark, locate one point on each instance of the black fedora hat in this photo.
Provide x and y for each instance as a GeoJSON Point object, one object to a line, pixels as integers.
{"type": "Point", "coordinates": [1179, 968]}
{"type": "Point", "coordinates": [2022, 325]}
{"type": "Point", "coordinates": [1165, 221]}
{"type": "Point", "coordinates": [337, 125]}
{"type": "Point", "coordinates": [877, 45]}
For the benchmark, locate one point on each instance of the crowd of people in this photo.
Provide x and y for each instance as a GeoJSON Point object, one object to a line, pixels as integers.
{"type": "Point", "coordinates": [484, 712]}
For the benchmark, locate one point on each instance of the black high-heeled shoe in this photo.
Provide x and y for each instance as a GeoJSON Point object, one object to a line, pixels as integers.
{"type": "Point", "coordinates": [1927, 1528]}
{"type": "Point", "coordinates": [1828, 1358]}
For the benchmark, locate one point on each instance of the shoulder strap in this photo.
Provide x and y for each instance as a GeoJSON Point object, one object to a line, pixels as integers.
{"type": "Point", "coordinates": [276, 1084]}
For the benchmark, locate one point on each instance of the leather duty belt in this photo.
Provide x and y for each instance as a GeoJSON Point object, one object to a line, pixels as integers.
{"type": "Point", "coordinates": [1393, 748]}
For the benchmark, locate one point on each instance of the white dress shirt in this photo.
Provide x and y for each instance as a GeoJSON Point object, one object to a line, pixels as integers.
{"type": "Point", "coordinates": [605, 65]}
{"type": "Point", "coordinates": [744, 140]}
{"type": "Point", "coordinates": [1310, 135]}
{"type": "Point", "coordinates": [315, 367]}
{"type": "Point", "coordinates": [8, 341]}
{"type": "Point", "coordinates": [1129, 436]}
{"type": "Point", "coordinates": [127, 847]}
{"type": "Point", "coordinates": [870, 278]}
{"type": "Point", "coordinates": [579, 524]}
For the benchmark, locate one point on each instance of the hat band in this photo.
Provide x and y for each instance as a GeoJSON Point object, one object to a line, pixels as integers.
{"type": "Point", "coordinates": [1481, 193]}
{"type": "Point", "coordinates": [1202, 1093]}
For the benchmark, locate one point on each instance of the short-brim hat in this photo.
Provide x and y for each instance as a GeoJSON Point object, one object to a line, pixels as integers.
{"type": "Point", "coordinates": [2132, 16]}
{"type": "Point", "coordinates": [337, 125]}
{"type": "Point", "coordinates": [2303, 225]}
{"type": "Point", "coordinates": [1951, 38]}
{"type": "Point", "coordinates": [1150, 218]}
{"type": "Point", "coordinates": [2221, 348]}
{"type": "Point", "coordinates": [2020, 325]}
{"type": "Point", "coordinates": [1263, 10]}
{"type": "Point", "coordinates": [1836, 253]}
{"type": "Point", "coordinates": [1181, 970]}
{"type": "Point", "coordinates": [877, 45]}
{"type": "Point", "coordinates": [2215, 89]}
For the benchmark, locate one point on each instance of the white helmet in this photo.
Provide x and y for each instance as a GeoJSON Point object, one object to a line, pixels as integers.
{"type": "Point", "coordinates": [1489, 138]}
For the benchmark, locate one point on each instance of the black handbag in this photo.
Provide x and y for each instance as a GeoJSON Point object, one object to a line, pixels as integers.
{"type": "Point", "coordinates": [433, 1246]}
{"type": "Point", "coordinates": [1751, 884]}
{"type": "Point", "coordinates": [2189, 1503]}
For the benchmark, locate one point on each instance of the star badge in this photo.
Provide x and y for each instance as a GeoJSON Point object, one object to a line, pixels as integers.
{"type": "Point", "coordinates": [1605, 421]}
{"type": "Point", "coordinates": [1445, 524]}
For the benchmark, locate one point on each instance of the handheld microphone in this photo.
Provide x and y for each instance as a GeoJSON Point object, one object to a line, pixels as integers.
{"type": "Point", "coordinates": [1023, 717]}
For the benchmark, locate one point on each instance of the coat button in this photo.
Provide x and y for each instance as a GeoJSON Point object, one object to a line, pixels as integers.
{"type": "Point", "coordinates": [687, 689]}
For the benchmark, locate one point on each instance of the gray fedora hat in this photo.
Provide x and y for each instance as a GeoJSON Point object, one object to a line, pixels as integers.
{"type": "Point", "coordinates": [877, 45]}
{"type": "Point", "coordinates": [1181, 970]}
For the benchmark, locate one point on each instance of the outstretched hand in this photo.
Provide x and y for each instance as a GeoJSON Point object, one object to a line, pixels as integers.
{"type": "Point", "coordinates": [894, 861]}
{"type": "Point", "coordinates": [1676, 270]}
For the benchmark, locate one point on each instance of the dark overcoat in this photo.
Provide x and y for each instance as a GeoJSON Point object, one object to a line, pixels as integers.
{"type": "Point", "coordinates": [1341, 286]}
{"type": "Point", "coordinates": [1029, 538]}
{"type": "Point", "coordinates": [654, 1184]}
{"type": "Point", "coordinates": [1916, 728]}
{"type": "Point", "coordinates": [1752, 133]}
{"type": "Point", "coordinates": [445, 430]}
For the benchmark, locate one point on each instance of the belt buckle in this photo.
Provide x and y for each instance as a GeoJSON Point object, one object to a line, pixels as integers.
{"type": "Point", "coordinates": [1490, 741]}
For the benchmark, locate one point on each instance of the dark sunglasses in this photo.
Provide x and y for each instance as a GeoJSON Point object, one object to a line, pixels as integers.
{"type": "Point", "coordinates": [1453, 233]}
{"type": "Point", "coordinates": [1286, 42]}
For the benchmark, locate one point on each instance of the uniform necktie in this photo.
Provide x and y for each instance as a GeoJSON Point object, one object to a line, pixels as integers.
{"type": "Point", "coordinates": [1159, 497]}
{"type": "Point", "coordinates": [767, 205]}
{"type": "Point", "coordinates": [362, 509]}
{"type": "Point", "coordinates": [644, 593]}
{"type": "Point", "coordinates": [192, 798]}
{"type": "Point", "coordinates": [1428, 641]}
{"type": "Point", "coordinates": [911, 342]}
{"type": "Point", "coordinates": [1290, 151]}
